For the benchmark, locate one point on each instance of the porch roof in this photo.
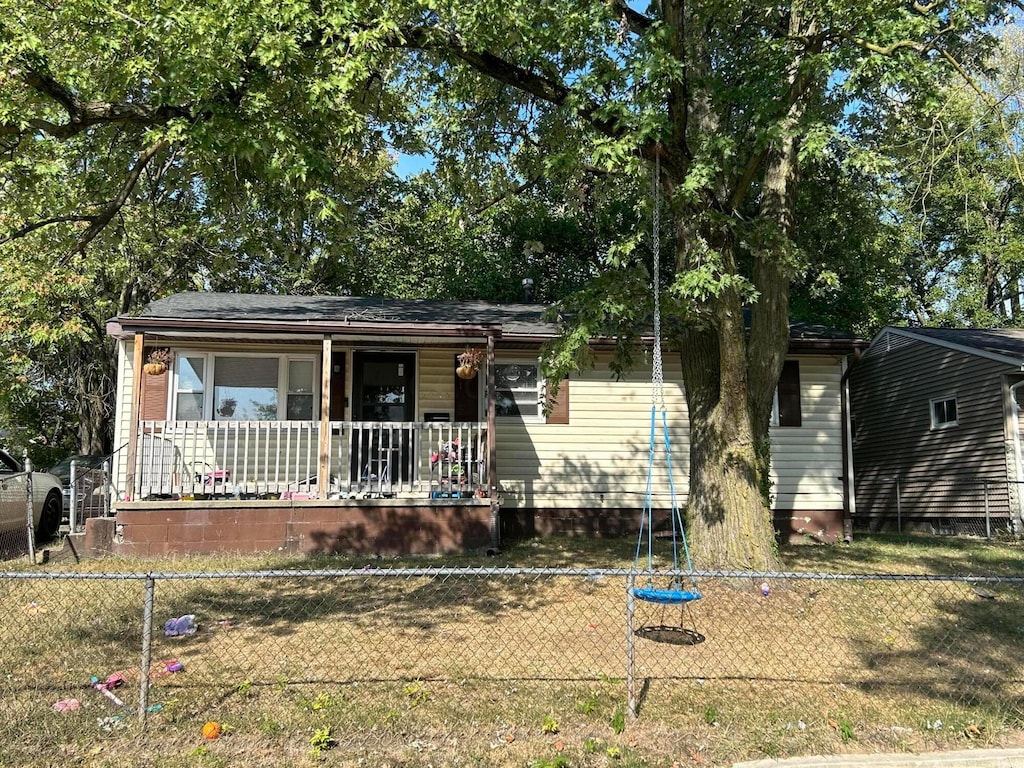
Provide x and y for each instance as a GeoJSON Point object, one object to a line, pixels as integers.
{"type": "Point", "coordinates": [348, 315]}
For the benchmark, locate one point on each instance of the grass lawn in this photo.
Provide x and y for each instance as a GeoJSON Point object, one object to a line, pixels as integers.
{"type": "Point", "coordinates": [519, 671]}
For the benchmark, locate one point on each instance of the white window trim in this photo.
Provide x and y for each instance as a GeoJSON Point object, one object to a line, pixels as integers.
{"type": "Point", "coordinates": [774, 421]}
{"type": "Point", "coordinates": [209, 357]}
{"type": "Point", "coordinates": [539, 417]}
{"type": "Point", "coordinates": [931, 412]}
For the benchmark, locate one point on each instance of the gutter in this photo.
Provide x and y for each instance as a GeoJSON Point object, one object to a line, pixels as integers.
{"type": "Point", "coordinates": [123, 328]}
{"type": "Point", "coordinates": [849, 481]}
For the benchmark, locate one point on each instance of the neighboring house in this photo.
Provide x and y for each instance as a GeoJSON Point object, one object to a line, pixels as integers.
{"type": "Point", "coordinates": [331, 423]}
{"type": "Point", "coordinates": [937, 434]}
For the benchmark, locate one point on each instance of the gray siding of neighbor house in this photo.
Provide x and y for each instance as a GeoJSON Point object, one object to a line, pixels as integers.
{"type": "Point", "coordinates": [939, 469]}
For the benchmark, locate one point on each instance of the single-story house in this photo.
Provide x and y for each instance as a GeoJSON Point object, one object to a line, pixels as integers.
{"type": "Point", "coordinates": [339, 423]}
{"type": "Point", "coordinates": [937, 430]}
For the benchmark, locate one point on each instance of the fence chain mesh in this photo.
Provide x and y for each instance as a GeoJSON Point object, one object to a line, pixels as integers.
{"type": "Point", "coordinates": [378, 653]}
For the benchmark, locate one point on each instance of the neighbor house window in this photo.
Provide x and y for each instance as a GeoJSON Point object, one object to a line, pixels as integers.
{"type": "Point", "coordinates": [944, 412]}
{"type": "Point", "coordinates": [518, 390]}
{"type": "Point", "coordinates": [786, 410]}
{"type": "Point", "coordinates": [244, 387]}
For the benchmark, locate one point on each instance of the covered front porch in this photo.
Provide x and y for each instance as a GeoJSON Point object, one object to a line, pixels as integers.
{"type": "Point", "coordinates": [275, 460]}
{"type": "Point", "coordinates": [353, 434]}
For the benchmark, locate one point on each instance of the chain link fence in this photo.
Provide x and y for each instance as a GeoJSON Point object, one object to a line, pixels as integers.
{"type": "Point", "coordinates": [510, 648]}
{"type": "Point", "coordinates": [940, 506]}
{"type": "Point", "coordinates": [17, 530]}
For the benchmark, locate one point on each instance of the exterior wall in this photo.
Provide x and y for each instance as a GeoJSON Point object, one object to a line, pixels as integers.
{"type": "Point", "coordinates": [590, 474]}
{"type": "Point", "coordinates": [807, 461]}
{"type": "Point", "coordinates": [891, 390]}
{"type": "Point", "coordinates": [599, 459]}
{"type": "Point", "coordinates": [379, 527]}
{"type": "Point", "coordinates": [122, 417]}
{"type": "Point", "coordinates": [436, 381]}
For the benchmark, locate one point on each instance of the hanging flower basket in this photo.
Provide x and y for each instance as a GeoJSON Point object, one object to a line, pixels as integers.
{"type": "Point", "coordinates": [158, 361]}
{"type": "Point", "coordinates": [469, 363]}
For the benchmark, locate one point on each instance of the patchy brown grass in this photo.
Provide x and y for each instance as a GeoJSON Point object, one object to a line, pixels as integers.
{"type": "Point", "coordinates": [392, 670]}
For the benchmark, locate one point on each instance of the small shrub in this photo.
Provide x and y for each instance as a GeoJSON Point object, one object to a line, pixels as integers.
{"type": "Point", "coordinates": [618, 722]}
{"type": "Point", "coordinates": [321, 741]}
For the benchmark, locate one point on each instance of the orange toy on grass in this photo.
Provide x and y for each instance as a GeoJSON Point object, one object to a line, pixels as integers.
{"type": "Point", "coordinates": [211, 730]}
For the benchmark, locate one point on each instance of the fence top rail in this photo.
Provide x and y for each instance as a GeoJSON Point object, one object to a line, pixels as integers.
{"type": "Point", "coordinates": [388, 572]}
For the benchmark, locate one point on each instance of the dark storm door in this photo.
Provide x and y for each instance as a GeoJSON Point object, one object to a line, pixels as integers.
{"type": "Point", "coordinates": [384, 389]}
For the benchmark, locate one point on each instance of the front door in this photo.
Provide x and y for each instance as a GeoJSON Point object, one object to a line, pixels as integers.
{"type": "Point", "coordinates": [383, 386]}
{"type": "Point", "coordinates": [383, 390]}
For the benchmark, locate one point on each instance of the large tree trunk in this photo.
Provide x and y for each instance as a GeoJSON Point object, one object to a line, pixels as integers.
{"type": "Point", "coordinates": [730, 523]}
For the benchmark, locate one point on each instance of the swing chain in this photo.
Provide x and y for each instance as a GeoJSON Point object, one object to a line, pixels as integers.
{"type": "Point", "coordinates": [658, 378]}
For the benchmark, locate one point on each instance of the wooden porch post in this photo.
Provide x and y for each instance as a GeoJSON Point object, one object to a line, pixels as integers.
{"type": "Point", "coordinates": [492, 450]}
{"type": "Point", "coordinates": [324, 478]}
{"type": "Point", "coordinates": [133, 420]}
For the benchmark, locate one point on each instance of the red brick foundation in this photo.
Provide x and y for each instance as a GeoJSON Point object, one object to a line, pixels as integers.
{"type": "Point", "coordinates": [379, 527]}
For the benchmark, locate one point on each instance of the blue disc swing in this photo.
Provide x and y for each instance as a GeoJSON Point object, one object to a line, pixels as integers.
{"type": "Point", "coordinates": [675, 593]}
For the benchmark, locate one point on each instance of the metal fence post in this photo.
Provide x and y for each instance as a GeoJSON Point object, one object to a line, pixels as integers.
{"type": "Point", "coordinates": [147, 643]}
{"type": "Point", "coordinates": [73, 509]}
{"type": "Point", "coordinates": [899, 511]}
{"type": "Point", "coordinates": [30, 527]}
{"type": "Point", "coordinates": [988, 519]}
{"type": "Point", "coordinates": [630, 649]}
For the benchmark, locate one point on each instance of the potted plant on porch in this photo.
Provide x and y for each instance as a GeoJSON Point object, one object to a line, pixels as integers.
{"type": "Point", "coordinates": [469, 363]}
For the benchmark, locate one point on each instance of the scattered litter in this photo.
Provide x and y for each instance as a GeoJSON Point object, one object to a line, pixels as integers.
{"type": "Point", "coordinates": [935, 725]}
{"type": "Point", "coordinates": [108, 724]}
{"type": "Point", "coordinates": [67, 705]}
{"type": "Point", "coordinates": [108, 685]}
{"type": "Point", "coordinates": [211, 730]}
{"type": "Point", "coordinates": [154, 707]}
{"type": "Point", "coordinates": [765, 589]}
{"type": "Point", "coordinates": [183, 625]}
{"type": "Point", "coordinates": [225, 624]}
{"type": "Point", "coordinates": [34, 609]}
{"type": "Point", "coordinates": [173, 665]}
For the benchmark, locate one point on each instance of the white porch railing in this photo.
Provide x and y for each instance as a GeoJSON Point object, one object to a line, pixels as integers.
{"type": "Point", "coordinates": [280, 459]}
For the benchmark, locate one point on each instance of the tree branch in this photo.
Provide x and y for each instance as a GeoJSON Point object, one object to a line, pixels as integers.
{"type": "Point", "coordinates": [633, 20]}
{"type": "Point", "coordinates": [104, 217]}
{"type": "Point", "coordinates": [84, 114]}
{"type": "Point", "coordinates": [503, 71]}
{"type": "Point", "coordinates": [30, 228]}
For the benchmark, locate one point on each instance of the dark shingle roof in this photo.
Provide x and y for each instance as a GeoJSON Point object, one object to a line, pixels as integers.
{"type": "Point", "coordinates": [1008, 342]}
{"type": "Point", "coordinates": [515, 320]}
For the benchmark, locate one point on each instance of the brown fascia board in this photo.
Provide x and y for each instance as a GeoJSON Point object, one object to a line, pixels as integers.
{"type": "Point", "coordinates": [126, 326]}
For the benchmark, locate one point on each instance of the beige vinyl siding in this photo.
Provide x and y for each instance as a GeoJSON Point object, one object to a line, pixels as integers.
{"type": "Point", "coordinates": [599, 459]}
{"type": "Point", "coordinates": [123, 414]}
{"type": "Point", "coordinates": [807, 461]}
{"type": "Point", "coordinates": [436, 380]}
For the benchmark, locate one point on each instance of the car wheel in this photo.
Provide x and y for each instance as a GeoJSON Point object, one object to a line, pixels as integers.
{"type": "Point", "coordinates": [49, 521]}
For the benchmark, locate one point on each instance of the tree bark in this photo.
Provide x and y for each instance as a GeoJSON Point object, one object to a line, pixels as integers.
{"type": "Point", "coordinates": [730, 523]}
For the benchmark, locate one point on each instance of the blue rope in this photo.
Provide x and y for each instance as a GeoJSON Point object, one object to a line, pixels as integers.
{"type": "Point", "coordinates": [676, 594]}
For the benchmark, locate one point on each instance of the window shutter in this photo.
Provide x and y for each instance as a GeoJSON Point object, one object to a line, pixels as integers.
{"type": "Point", "coordinates": [154, 396]}
{"type": "Point", "coordinates": [467, 397]}
{"type": "Point", "coordinates": [789, 395]}
{"type": "Point", "coordinates": [559, 405]}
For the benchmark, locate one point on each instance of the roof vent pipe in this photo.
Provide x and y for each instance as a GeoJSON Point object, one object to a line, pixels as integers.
{"type": "Point", "coordinates": [527, 289]}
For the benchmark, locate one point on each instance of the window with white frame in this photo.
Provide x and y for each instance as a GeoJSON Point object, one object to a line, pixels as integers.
{"type": "Point", "coordinates": [944, 412]}
{"type": "Point", "coordinates": [518, 390]}
{"type": "Point", "coordinates": [244, 387]}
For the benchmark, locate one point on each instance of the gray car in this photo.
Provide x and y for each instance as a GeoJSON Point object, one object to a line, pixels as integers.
{"type": "Point", "coordinates": [47, 504]}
